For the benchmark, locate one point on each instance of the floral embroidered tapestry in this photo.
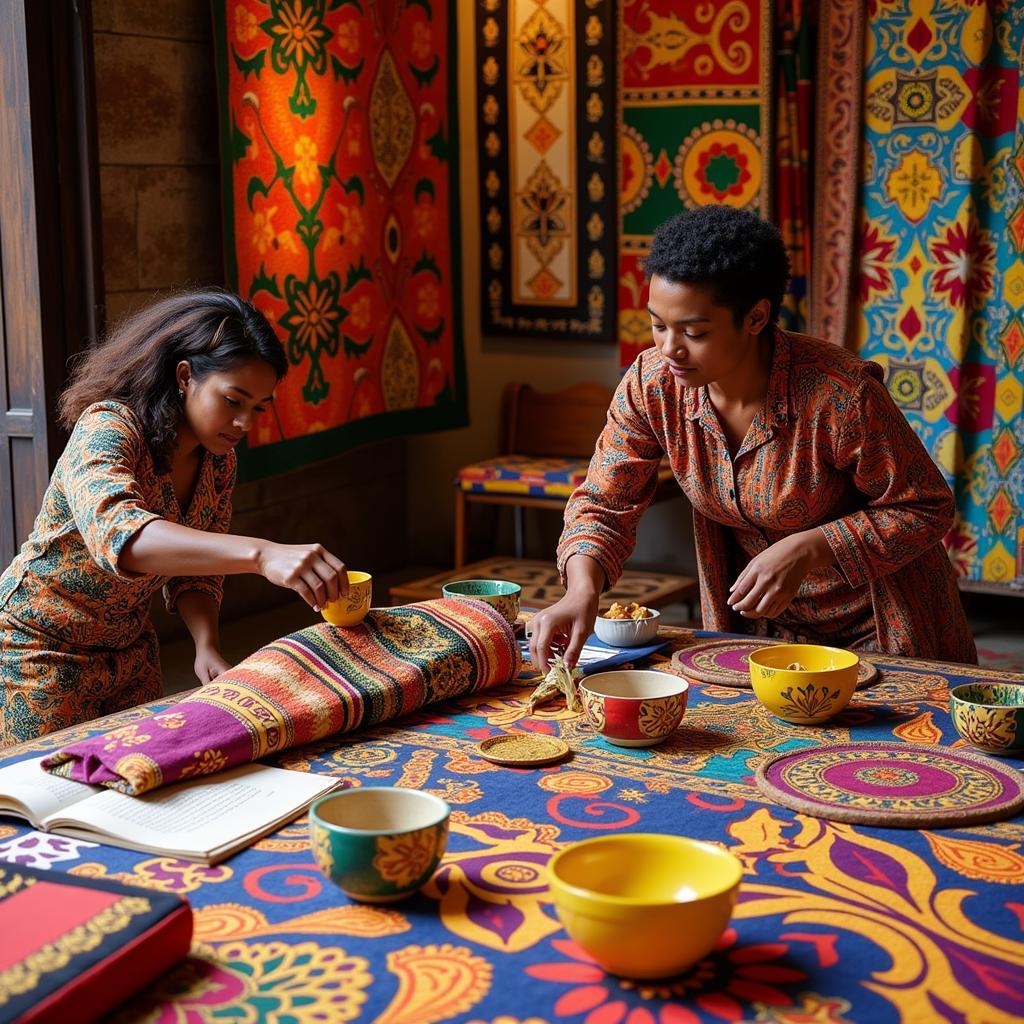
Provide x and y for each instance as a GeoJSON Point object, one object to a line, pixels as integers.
{"type": "Point", "coordinates": [942, 276]}
{"type": "Point", "coordinates": [695, 93]}
{"type": "Point", "coordinates": [338, 143]}
{"type": "Point", "coordinates": [546, 137]}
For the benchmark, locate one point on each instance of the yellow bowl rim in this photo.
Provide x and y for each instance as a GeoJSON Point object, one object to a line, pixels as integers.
{"type": "Point", "coordinates": [978, 704]}
{"type": "Point", "coordinates": [752, 658]}
{"type": "Point", "coordinates": [582, 893]}
{"type": "Point", "coordinates": [358, 576]}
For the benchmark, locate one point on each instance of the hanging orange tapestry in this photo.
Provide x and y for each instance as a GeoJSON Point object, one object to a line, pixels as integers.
{"type": "Point", "coordinates": [338, 142]}
{"type": "Point", "coordinates": [695, 95]}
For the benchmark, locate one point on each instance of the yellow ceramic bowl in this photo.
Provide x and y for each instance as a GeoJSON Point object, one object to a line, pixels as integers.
{"type": "Point", "coordinates": [644, 906]}
{"type": "Point", "coordinates": [351, 610]}
{"type": "Point", "coordinates": [819, 688]}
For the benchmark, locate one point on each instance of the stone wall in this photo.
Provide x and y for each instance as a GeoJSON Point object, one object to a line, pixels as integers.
{"type": "Point", "coordinates": [160, 193]}
{"type": "Point", "coordinates": [157, 124]}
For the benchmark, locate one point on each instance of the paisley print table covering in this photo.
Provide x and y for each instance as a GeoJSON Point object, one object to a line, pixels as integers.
{"type": "Point", "coordinates": [835, 922]}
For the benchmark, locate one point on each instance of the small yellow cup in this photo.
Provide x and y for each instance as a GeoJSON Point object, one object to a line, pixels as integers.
{"type": "Point", "coordinates": [351, 610]}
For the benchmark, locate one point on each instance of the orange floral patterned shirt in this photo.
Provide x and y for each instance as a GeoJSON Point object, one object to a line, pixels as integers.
{"type": "Point", "coordinates": [829, 449]}
{"type": "Point", "coordinates": [66, 581]}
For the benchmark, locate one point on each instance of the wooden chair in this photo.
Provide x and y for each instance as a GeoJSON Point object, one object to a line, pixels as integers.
{"type": "Point", "coordinates": [547, 439]}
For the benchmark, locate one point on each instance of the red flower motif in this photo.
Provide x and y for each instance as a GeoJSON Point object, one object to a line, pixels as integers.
{"type": "Point", "coordinates": [962, 546]}
{"type": "Point", "coordinates": [875, 252]}
{"type": "Point", "coordinates": [965, 257]}
{"type": "Point", "coordinates": [723, 984]}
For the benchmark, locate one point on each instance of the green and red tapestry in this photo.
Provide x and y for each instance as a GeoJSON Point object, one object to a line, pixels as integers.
{"type": "Point", "coordinates": [695, 92]}
{"type": "Point", "coordinates": [941, 295]}
{"type": "Point", "coordinates": [547, 192]}
{"type": "Point", "coordinates": [338, 146]}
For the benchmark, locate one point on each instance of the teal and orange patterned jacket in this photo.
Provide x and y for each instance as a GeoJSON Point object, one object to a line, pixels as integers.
{"type": "Point", "coordinates": [829, 449]}
{"type": "Point", "coordinates": [66, 581]}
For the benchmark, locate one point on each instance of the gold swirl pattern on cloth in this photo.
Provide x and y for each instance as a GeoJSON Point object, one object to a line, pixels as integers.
{"type": "Point", "coordinates": [435, 983]}
{"type": "Point", "coordinates": [223, 921]}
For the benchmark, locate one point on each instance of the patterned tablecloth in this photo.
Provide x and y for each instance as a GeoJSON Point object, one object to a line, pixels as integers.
{"type": "Point", "coordinates": [835, 922]}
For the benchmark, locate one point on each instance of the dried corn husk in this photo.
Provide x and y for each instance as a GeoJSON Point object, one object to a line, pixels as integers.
{"type": "Point", "coordinates": [560, 681]}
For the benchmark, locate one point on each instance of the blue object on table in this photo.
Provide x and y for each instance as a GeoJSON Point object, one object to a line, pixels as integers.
{"type": "Point", "coordinates": [597, 656]}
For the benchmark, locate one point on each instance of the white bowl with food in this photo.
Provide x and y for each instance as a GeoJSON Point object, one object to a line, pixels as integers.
{"type": "Point", "coordinates": [627, 625]}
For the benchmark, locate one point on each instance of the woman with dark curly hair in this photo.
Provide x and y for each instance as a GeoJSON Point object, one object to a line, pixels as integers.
{"type": "Point", "coordinates": [818, 514]}
{"type": "Point", "coordinates": [141, 499]}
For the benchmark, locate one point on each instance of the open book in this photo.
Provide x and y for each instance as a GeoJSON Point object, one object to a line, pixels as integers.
{"type": "Point", "coordinates": [206, 819]}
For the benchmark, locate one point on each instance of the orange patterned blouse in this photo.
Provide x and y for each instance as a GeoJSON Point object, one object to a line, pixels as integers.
{"type": "Point", "coordinates": [830, 448]}
{"type": "Point", "coordinates": [65, 582]}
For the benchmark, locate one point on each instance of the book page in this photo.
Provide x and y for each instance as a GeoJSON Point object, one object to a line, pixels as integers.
{"type": "Point", "coordinates": [27, 791]}
{"type": "Point", "coordinates": [201, 815]}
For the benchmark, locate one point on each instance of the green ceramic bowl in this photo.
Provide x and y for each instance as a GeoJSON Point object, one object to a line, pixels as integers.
{"type": "Point", "coordinates": [378, 844]}
{"type": "Point", "coordinates": [990, 716]}
{"type": "Point", "coordinates": [501, 595]}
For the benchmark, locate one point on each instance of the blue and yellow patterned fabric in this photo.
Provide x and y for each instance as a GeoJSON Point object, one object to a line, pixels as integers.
{"type": "Point", "coordinates": [835, 922]}
{"type": "Point", "coordinates": [528, 475]}
{"type": "Point", "coordinates": [942, 272]}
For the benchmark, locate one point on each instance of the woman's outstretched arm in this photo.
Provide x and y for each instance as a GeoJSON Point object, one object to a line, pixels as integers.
{"type": "Point", "coordinates": [163, 548]}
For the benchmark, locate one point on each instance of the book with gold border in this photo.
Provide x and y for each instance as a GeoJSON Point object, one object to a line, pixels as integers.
{"type": "Point", "coordinates": [72, 948]}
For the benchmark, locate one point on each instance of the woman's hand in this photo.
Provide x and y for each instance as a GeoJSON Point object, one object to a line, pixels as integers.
{"type": "Point", "coordinates": [209, 664]}
{"type": "Point", "coordinates": [770, 581]}
{"type": "Point", "coordinates": [562, 628]}
{"type": "Point", "coordinates": [567, 624]}
{"type": "Point", "coordinates": [309, 569]}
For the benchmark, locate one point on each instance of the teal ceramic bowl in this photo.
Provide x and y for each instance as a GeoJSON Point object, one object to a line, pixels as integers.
{"type": "Point", "coordinates": [501, 595]}
{"type": "Point", "coordinates": [990, 716]}
{"type": "Point", "coordinates": [378, 844]}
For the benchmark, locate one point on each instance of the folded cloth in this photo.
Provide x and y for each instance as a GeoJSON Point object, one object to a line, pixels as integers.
{"type": "Point", "coordinates": [310, 684]}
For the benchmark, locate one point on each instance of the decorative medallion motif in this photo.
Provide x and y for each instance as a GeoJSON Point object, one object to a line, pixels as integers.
{"type": "Point", "coordinates": [541, 69]}
{"type": "Point", "coordinates": [658, 717]}
{"type": "Point", "coordinates": [543, 222]}
{"type": "Point", "coordinates": [637, 168]}
{"type": "Point", "coordinates": [400, 369]}
{"type": "Point", "coordinates": [392, 120]}
{"type": "Point", "coordinates": [900, 784]}
{"type": "Point", "coordinates": [720, 162]}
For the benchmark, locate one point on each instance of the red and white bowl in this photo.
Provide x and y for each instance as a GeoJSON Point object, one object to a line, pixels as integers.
{"type": "Point", "coordinates": [634, 707]}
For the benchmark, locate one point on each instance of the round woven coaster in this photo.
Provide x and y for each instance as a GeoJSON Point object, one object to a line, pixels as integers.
{"type": "Point", "coordinates": [895, 785]}
{"type": "Point", "coordinates": [724, 662]}
{"type": "Point", "coordinates": [522, 749]}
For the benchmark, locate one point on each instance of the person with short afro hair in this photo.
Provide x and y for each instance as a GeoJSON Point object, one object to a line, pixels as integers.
{"type": "Point", "coordinates": [818, 513]}
{"type": "Point", "coordinates": [738, 256]}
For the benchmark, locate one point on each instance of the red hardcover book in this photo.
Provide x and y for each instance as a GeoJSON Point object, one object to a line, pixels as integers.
{"type": "Point", "coordinates": [72, 948]}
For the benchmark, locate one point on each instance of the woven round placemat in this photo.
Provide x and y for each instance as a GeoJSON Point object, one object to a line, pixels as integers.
{"type": "Point", "coordinates": [724, 663]}
{"type": "Point", "coordinates": [893, 785]}
{"type": "Point", "coordinates": [522, 749]}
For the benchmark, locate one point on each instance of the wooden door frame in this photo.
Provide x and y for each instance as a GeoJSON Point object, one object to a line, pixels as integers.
{"type": "Point", "coordinates": [51, 269]}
